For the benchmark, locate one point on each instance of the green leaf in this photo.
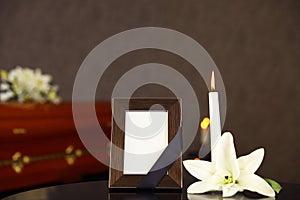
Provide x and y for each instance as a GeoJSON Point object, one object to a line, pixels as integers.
{"type": "Point", "coordinates": [276, 186]}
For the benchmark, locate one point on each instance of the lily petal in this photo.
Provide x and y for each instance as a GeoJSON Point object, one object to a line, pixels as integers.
{"type": "Point", "coordinates": [252, 161]}
{"type": "Point", "coordinates": [209, 184]}
{"type": "Point", "coordinates": [255, 183]}
{"type": "Point", "coordinates": [226, 157]}
{"type": "Point", "coordinates": [199, 168]}
{"type": "Point", "coordinates": [230, 191]}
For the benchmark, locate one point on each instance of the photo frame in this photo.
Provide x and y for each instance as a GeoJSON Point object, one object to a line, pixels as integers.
{"type": "Point", "coordinates": [120, 179]}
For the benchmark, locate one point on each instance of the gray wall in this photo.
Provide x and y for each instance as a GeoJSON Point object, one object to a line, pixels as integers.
{"type": "Point", "coordinates": [256, 45]}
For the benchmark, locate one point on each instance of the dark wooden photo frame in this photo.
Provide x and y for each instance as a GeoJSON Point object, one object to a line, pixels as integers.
{"type": "Point", "coordinates": [117, 179]}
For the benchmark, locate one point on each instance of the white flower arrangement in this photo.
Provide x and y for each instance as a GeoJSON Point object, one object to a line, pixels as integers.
{"type": "Point", "coordinates": [27, 85]}
{"type": "Point", "coordinates": [230, 174]}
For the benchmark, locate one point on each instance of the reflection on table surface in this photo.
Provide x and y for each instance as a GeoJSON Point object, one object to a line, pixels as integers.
{"type": "Point", "coordinates": [218, 196]}
{"type": "Point", "coordinates": [99, 190]}
{"type": "Point", "coordinates": [177, 196]}
{"type": "Point", "coordinates": [51, 193]}
{"type": "Point", "coordinates": [42, 194]}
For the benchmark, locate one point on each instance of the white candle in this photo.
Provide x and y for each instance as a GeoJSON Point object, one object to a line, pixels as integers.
{"type": "Point", "coordinates": [214, 115]}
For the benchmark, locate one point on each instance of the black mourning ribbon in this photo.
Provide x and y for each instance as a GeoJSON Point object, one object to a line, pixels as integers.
{"type": "Point", "coordinates": [169, 155]}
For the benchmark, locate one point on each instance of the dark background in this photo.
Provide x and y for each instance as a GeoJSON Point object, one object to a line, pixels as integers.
{"type": "Point", "coordinates": [255, 44]}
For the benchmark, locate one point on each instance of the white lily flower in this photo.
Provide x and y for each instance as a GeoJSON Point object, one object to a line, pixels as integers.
{"type": "Point", "coordinates": [4, 86]}
{"type": "Point", "coordinates": [227, 173]}
{"type": "Point", "coordinates": [5, 96]}
{"type": "Point", "coordinates": [31, 85]}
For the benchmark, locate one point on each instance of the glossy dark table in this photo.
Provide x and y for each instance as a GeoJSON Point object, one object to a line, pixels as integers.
{"type": "Point", "coordinates": [98, 190]}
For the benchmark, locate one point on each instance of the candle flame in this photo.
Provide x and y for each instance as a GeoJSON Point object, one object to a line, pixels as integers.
{"type": "Point", "coordinates": [205, 123]}
{"type": "Point", "coordinates": [212, 81]}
